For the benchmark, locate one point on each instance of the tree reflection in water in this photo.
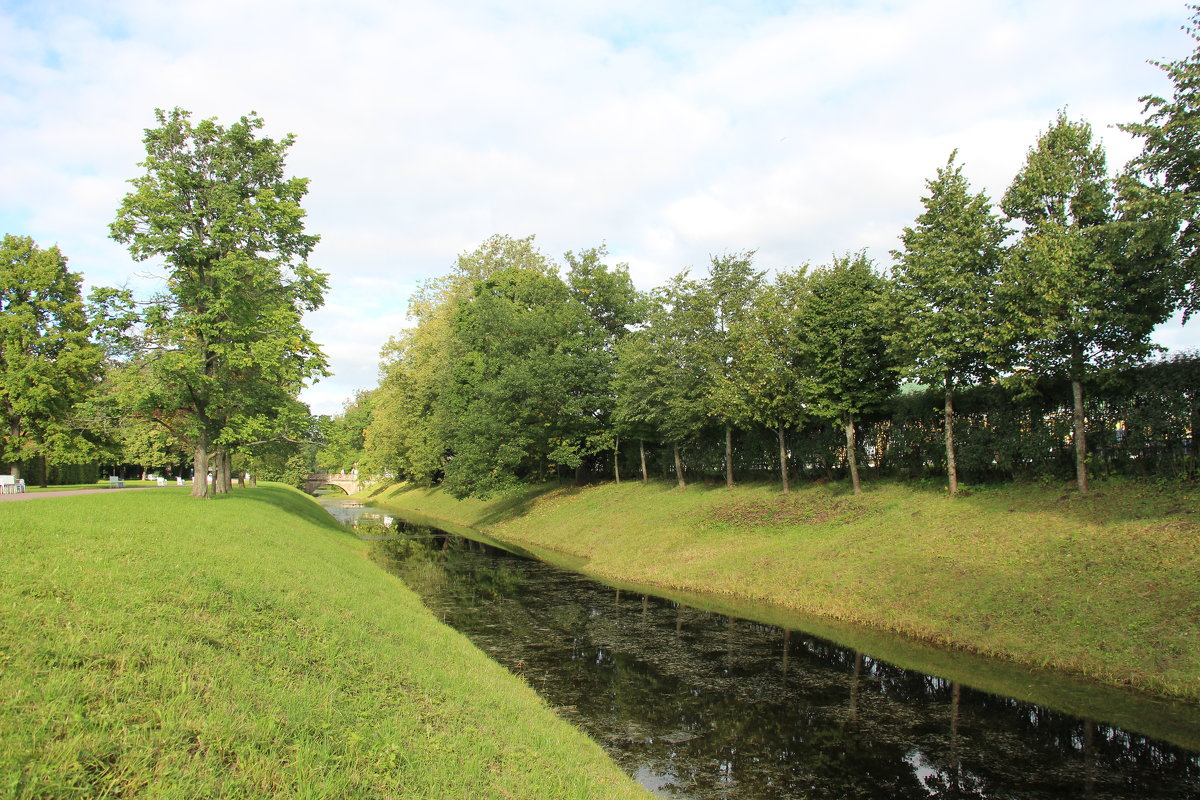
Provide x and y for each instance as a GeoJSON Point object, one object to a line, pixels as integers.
{"type": "Point", "coordinates": [699, 705]}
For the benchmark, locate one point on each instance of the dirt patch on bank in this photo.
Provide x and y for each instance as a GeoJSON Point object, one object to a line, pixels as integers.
{"type": "Point", "coordinates": [787, 509]}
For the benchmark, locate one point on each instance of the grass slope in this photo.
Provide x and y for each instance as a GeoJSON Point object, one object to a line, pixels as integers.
{"type": "Point", "coordinates": [153, 645]}
{"type": "Point", "coordinates": [1105, 585]}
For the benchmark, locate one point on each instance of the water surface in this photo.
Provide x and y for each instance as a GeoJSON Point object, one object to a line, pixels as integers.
{"type": "Point", "coordinates": [697, 704]}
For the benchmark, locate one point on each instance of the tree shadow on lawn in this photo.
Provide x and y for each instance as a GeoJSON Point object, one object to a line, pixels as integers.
{"type": "Point", "coordinates": [1109, 501]}
{"type": "Point", "coordinates": [286, 500]}
{"type": "Point", "coordinates": [519, 504]}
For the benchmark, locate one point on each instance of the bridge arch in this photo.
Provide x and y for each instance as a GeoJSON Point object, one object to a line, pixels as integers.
{"type": "Point", "coordinates": [346, 481]}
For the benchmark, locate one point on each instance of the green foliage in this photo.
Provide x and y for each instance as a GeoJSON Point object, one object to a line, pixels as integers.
{"type": "Point", "coordinates": [506, 375]}
{"type": "Point", "coordinates": [528, 385]}
{"type": "Point", "coordinates": [411, 417]}
{"type": "Point", "coordinates": [483, 394]}
{"type": "Point", "coordinates": [342, 436]}
{"type": "Point", "coordinates": [664, 371]}
{"type": "Point", "coordinates": [49, 361]}
{"type": "Point", "coordinates": [607, 292]}
{"type": "Point", "coordinates": [1071, 295]}
{"type": "Point", "coordinates": [770, 383]}
{"type": "Point", "coordinates": [1170, 164]}
{"type": "Point", "coordinates": [731, 291]}
{"type": "Point", "coordinates": [842, 313]}
{"type": "Point", "coordinates": [224, 351]}
{"type": "Point", "coordinates": [943, 283]}
{"type": "Point", "coordinates": [616, 307]}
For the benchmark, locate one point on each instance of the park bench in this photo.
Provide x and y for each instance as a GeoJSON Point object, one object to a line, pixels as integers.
{"type": "Point", "coordinates": [115, 482]}
{"type": "Point", "coordinates": [11, 485]}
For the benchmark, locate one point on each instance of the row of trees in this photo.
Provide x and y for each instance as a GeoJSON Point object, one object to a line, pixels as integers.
{"type": "Point", "coordinates": [512, 371]}
{"type": "Point", "coordinates": [213, 362]}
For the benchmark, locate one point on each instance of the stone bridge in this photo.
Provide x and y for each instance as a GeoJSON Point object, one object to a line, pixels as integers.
{"type": "Point", "coordinates": [346, 481]}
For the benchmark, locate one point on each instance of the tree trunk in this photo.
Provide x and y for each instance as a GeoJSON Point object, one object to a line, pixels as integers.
{"type": "Point", "coordinates": [728, 457]}
{"type": "Point", "coordinates": [45, 471]}
{"type": "Point", "coordinates": [1194, 419]}
{"type": "Point", "coordinates": [200, 467]}
{"type": "Point", "coordinates": [783, 475]}
{"type": "Point", "coordinates": [851, 456]}
{"type": "Point", "coordinates": [616, 460]}
{"type": "Point", "coordinates": [951, 463]}
{"type": "Point", "coordinates": [642, 452]}
{"type": "Point", "coordinates": [1080, 437]}
{"type": "Point", "coordinates": [218, 462]}
{"type": "Point", "coordinates": [15, 469]}
{"type": "Point", "coordinates": [579, 478]}
{"type": "Point", "coordinates": [679, 469]}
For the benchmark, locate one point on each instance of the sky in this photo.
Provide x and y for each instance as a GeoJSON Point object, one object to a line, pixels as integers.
{"type": "Point", "coordinates": [669, 131]}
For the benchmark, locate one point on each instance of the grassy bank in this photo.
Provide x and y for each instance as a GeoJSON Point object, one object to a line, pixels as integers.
{"type": "Point", "coordinates": [154, 645]}
{"type": "Point", "coordinates": [1106, 586]}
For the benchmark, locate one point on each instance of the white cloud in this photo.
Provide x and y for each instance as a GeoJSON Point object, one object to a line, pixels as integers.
{"type": "Point", "coordinates": [669, 130]}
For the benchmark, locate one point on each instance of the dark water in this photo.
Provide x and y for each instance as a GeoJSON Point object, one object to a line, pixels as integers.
{"type": "Point", "coordinates": [696, 704]}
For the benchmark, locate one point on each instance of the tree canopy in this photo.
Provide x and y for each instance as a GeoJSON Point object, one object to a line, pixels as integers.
{"type": "Point", "coordinates": [1170, 163]}
{"type": "Point", "coordinates": [519, 368]}
{"type": "Point", "coordinates": [1071, 299]}
{"type": "Point", "coordinates": [48, 361]}
{"type": "Point", "coordinates": [225, 350]}
{"type": "Point", "coordinates": [944, 282]}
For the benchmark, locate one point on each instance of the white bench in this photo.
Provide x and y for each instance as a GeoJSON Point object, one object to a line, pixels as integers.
{"type": "Point", "coordinates": [115, 482]}
{"type": "Point", "coordinates": [11, 485]}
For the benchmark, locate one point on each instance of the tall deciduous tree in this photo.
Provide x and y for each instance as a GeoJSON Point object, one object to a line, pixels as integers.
{"type": "Point", "coordinates": [615, 307]}
{"type": "Point", "coordinates": [47, 359]}
{"type": "Point", "coordinates": [527, 385]}
{"type": "Point", "coordinates": [411, 419]}
{"type": "Point", "coordinates": [769, 380]}
{"type": "Point", "coordinates": [944, 283]}
{"type": "Point", "coordinates": [1170, 164]}
{"type": "Point", "coordinates": [844, 314]}
{"type": "Point", "coordinates": [226, 346]}
{"type": "Point", "coordinates": [729, 292]}
{"type": "Point", "coordinates": [664, 371]}
{"type": "Point", "coordinates": [342, 435]}
{"type": "Point", "coordinates": [1083, 285]}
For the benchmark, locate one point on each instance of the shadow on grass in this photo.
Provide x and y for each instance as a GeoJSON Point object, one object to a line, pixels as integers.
{"type": "Point", "coordinates": [1112, 500]}
{"type": "Point", "coordinates": [287, 500]}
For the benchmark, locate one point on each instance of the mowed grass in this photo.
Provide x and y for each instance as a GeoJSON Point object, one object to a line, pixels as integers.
{"type": "Point", "coordinates": [70, 487]}
{"type": "Point", "coordinates": [1105, 585]}
{"type": "Point", "coordinates": [152, 645]}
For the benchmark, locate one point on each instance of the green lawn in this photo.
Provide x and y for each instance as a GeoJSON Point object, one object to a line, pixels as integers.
{"type": "Point", "coordinates": [129, 484]}
{"type": "Point", "coordinates": [1106, 586]}
{"type": "Point", "coordinates": [152, 645]}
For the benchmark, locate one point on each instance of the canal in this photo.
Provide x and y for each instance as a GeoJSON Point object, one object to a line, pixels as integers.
{"type": "Point", "coordinates": [699, 704]}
